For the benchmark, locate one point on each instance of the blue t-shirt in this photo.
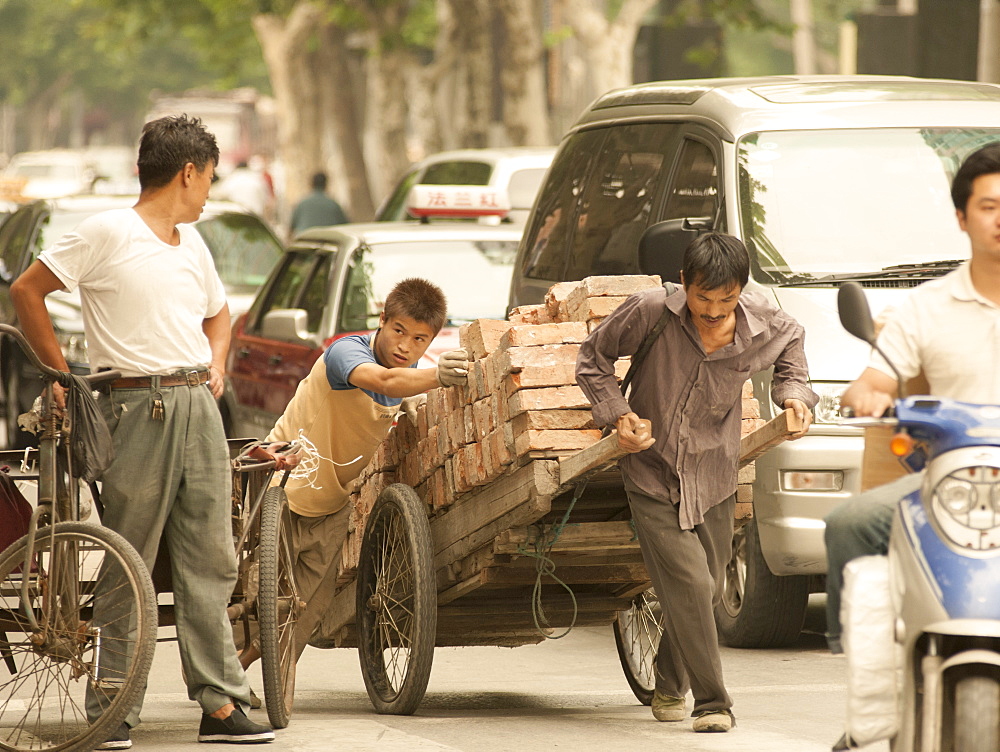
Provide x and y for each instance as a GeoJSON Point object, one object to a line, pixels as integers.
{"type": "Point", "coordinates": [346, 354]}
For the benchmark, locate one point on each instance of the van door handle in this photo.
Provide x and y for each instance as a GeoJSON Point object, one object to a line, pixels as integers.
{"type": "Point", "coordinates": [242, 352]}
{"type": "Point", "coordinates": [274, 360]}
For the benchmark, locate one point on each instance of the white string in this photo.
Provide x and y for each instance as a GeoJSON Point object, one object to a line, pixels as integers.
{"type": "Point", "coordinates": [308, 467]}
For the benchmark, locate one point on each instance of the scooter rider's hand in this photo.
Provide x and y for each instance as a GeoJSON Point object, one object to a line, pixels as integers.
{"type": "Point", "coordinates": [872, 395]}
{"type": "Point", "coordinates": [803, 413]}
{"type": "Point", "coordinates": [453, 368]}
{"type": "Point", "coordinates": [634, 433]}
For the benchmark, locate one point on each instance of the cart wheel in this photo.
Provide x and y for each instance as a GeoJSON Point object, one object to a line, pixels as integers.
{"type": "Point", "coordinates": [277, 607]}
{"type": "Point", "coordinates": [396, 602]}
{"type": "Point", "coordinates": [637, 637]}
{"type": "Point", "coordinates": [92, 642]}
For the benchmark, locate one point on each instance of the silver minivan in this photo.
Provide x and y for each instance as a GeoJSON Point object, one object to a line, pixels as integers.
{"type": "Point", "coordinates": [825, 179]}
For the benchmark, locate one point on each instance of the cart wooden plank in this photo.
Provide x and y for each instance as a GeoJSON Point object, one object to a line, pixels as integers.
{"type": "Point", "coordinates": [592, 459]}
{"type": "Point", "coordinates": [768, 435]}
{"type": "Point", "coordinates": [574, 538]}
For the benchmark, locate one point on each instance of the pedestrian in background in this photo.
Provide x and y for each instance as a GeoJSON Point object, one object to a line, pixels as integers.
{"type": "Point", "coordinates": [155, 309]}
{"type": "Point", "coordinates": [247, 187]}
{"type": "Point", "coordinates": [317, 209]}
{"type": "Point", "coordinates": [680, 475]}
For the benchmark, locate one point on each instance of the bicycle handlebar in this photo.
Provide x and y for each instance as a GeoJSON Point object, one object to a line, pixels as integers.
{"type": "Point", "coordinates": [53, 374]}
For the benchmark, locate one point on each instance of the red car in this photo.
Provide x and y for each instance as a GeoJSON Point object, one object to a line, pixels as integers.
{"type": "Point", "coordinates": [332, 281]}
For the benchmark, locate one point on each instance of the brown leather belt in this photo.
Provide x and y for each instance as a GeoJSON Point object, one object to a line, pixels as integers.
{"type": "Point", "coordinates": [191, 378]}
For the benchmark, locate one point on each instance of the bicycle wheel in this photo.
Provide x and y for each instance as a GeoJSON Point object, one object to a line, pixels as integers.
{"type": "Point", "coordinates": [277, 607]}
{"type": "Point", "coordinates": [637, 637]}
{"type": "Point", "coordinates": [75, 673]}
{"type": "Point", "coordinates": [396, 602]}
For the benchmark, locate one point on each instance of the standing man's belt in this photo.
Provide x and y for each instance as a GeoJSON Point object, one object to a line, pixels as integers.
{"type": "Point", "coordinates": [191, 378]}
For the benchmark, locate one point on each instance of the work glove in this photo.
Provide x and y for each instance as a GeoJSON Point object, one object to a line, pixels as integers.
{"type": "Point", "coordinates": [409, 406]}
{"type": "Point", "coordinates": [453, 368]}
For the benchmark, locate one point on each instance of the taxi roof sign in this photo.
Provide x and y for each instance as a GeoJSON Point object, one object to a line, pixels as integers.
{"type": "Point", "coordinates": [426, 201]}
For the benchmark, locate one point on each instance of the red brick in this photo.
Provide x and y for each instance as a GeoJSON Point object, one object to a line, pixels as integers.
{"type": "Point", "coordinates": [533, 377]}
{"type": "Point", "coordinates": [547, 398]}
{"type": "Point", "coordinates": [552, 420]}
{"type": "Point", "coordinates": [532, 441]}
{"type": "Point", "coordinates": [482, 336]}
{"type": "Point", "coordinates": [516, 358]}
{"type": "Point", "coordinates": [556, 297]}
{"type": "Point", "coordinates": [592, 308]}
{"type": "Point", "coordinates": [570, 332]}
{"type": "Point", "coordinates": [617, 285]}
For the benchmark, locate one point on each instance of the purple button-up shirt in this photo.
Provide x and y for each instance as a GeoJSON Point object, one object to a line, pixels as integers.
{"type": "Point", "coordinates": [693, 400]}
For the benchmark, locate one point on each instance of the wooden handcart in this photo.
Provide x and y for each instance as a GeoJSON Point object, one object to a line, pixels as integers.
{"type": "Point", "coordinates": [523, 558]}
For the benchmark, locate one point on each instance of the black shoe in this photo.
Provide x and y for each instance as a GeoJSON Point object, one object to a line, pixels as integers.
{"type": "Point", "coordinates": [236, 729]}
{"type": "Point", "coordinates": [117, 740]}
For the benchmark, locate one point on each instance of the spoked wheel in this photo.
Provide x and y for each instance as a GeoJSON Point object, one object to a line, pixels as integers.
{"type": "Point", "coordinates": [277, 607]}
{"type": "Point", "coordinates": [396, 602]}
{"type": "Point", "coordinates": [637, 637]}
{"type": "Point", "coordinates": [91, 646]}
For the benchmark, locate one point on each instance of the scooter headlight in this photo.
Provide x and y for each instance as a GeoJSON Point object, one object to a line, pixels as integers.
{"type": "Point", "coordinates": [957, 496]}
{"type": "Point", "coordinates": [966, 504]}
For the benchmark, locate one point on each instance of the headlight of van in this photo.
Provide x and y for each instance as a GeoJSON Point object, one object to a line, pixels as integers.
{"type": "Point", "coordinates": [827, 410]}
{"type": "Point", "coordinates": [966, 505]}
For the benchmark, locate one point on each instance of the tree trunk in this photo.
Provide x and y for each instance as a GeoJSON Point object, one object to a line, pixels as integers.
{"type": "Point", "coordinates": [284, 43]}
{"type": "Point", "coordinates": [471, 70]}
{"type": "Point", "coordinates": [522, 78]}
{"type": "Point", "coordinates": [340, 103]}
{"type": "Point", "coordinates": [803, 37]}
{"type": "Point", "coordinates": [610, 45]}
{"type": "Point", "coordinates": [387, 114]}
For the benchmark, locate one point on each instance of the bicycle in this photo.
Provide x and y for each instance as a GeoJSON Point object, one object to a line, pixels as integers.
{"type": "Point", "coordinates": [77, 607]}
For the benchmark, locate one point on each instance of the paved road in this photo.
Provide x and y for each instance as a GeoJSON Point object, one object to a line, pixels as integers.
{"type": "Point", "coordinates": [567, 694]}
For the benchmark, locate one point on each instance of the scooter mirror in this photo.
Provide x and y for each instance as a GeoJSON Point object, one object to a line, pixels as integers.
{"type": "Point", "coordinates": [854, 312]}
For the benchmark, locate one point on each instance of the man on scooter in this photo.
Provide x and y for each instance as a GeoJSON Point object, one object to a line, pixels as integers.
{"type": "Point", "coordinates": [949, 329]}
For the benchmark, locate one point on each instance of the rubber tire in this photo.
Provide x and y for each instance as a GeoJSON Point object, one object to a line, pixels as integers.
{"type": "Point", "coordinates": [764, 610]}
{"type": "Point", "coordinates": [141, 584]}
{"type": "Point", "coordinates": [641, 678]}
{"type": "Point", "coordinates": [977, 713]}
{"type": "Point", "coordinates": [277, 638]}
{"type": "Point", "coordinates": [397, 510]}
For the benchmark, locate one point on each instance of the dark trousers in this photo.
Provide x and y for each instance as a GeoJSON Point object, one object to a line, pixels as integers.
{"type": "Point", "coordinates": [686, 568]}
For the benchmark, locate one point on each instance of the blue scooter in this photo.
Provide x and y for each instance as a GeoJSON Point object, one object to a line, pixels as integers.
{"type": "Point", "coordinates": [926, 623]}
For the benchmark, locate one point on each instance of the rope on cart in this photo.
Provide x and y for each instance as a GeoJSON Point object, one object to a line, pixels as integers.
{"type": "Point", "coordinates": [546, 567]}
{"type": "Point", "coordinates": [308, 466]}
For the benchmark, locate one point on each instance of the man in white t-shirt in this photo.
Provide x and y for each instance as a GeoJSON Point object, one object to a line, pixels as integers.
{"type": "Point", "coordinates": [948, 328]}
{"type": "Point", "coordinates": [155, 310]}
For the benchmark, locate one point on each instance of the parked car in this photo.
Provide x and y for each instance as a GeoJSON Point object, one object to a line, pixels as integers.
{"type": "Point", "coordinates": [825, 179]}
{"type": "Point", "coordinates": [51, 173]}
{"type": "Point", "coordinates": [518, 171]}
{"type": "Point", "coordinates": [243, 246]}
{"type": "Point", "coordinates": [332, 282]}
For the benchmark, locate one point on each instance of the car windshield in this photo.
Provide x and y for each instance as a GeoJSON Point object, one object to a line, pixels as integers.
{"type": "Point", "coordinates": [474, 275]}
{"type": "Point", "coordinates": [58, 171]}
{"type": "Point", "coordinates": [853, 201]}
{"type": "Point", "coordinates": [244, 249]}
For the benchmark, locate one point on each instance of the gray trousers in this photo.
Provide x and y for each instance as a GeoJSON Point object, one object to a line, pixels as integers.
{"type": "Point", "coordinates": [686, 568]}
{"type": "Point", "coordinates": [171, 478]}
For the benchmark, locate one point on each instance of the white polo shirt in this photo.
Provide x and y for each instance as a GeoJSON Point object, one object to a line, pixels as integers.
{"type": "Point", "coordinates": [951, 332]}
{"type": "Point", "coordinates": [144, 301]}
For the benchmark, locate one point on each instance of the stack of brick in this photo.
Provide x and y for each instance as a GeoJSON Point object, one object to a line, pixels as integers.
{"type": "Point", "coordinates": [521, 403]}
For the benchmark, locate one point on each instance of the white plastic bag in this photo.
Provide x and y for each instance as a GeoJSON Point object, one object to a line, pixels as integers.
{"type": "Point", "coordinates": [874, 665]}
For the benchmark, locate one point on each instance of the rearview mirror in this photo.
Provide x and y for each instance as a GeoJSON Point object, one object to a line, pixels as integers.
{"type": "Point", "coordinates": [662, 246]}
{"type": "Point", "coordinates": [287, 325]}
{"type": "Point", "coordinates": [855, 315]}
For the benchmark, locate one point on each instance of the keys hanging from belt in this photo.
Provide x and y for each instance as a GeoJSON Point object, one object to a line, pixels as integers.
{"type": "Point", "coordinates": [157, 406]}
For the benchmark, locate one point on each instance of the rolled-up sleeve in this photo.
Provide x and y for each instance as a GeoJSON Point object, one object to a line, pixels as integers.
{"type": "Point", "coordinates": [619, 335]}
{"type": "Point", "coordinates": [791, 372]}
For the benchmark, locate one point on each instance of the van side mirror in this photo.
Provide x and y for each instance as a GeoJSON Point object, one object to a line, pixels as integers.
{"type": "Point", "coordinates": [287, 325]}
{"type": "Point", "coordinates": [855, 315]}
{"type": "Point", "coordinates": [662, 246]}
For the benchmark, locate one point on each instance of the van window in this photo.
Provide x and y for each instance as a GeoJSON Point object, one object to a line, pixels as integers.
{"type": "Point", "coordinates": [864, 201]}
{"type": "Point", "coordinates": [696, 185]}
{"type": "Point", "coordinates": [618, 198]}
{"type": "Point", "coordinates": [548, 238]}
{"type": "Point", "coordinates": [286, 290]}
